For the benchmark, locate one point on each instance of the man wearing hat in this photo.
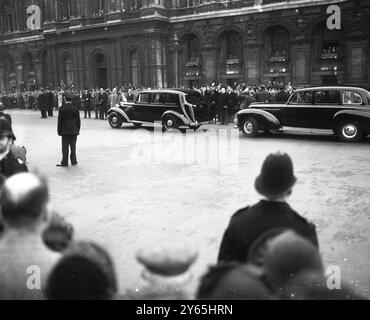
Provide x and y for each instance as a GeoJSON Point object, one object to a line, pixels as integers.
{"type": "Point", "coordinates": [282, 96]}
{"type": "Point", "coordinates": [42, 100]}
{"type": "Point", "coordinates": [10, 164]}
{"type": "Point", "coordinates": [275, 184]}
{"type": "Point", "coordinates": [69, 125]}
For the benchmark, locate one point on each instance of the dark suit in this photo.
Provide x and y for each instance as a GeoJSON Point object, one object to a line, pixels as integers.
{"type": "Point", "coordinates": [282, 96]}
{"type": "Point", "coordinates": [69, 125]}
{"type": "Point", "coordinates": [11, 165]}
{"type": "Point", "coordinates": [249, 223]}
{"type": "Point", "coordinates": [262, 96]}
{"type": "Point", "coordinates": [50, 103]}
{"type": "Point", "coordinates": [43, 104]}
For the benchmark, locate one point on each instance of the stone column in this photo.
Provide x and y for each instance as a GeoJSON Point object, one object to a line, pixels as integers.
{"type": "Point", "coordinates": [18, 73]}
{"type": "Point", "coordinates": [173, 58]}
{"type": "Point", "coordinates": [2, 77]}
{"type": "Point", "coordinates": [38, 71]}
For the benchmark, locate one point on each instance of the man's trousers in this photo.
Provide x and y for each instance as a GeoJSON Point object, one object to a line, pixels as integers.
{"type": "Point", "coordinates": [69, 142]}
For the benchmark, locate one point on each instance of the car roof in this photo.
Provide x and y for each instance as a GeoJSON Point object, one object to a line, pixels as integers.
{"type": "Point", "coordinates": [176, 91]}
{"type": "Point", "coordinates": [335, 88]}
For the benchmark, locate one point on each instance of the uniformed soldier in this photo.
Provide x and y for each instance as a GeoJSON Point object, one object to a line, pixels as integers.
{"type": "Point", "coordinates": [69, 125]}
{"type": "Point", "coordinates": [10, 163]}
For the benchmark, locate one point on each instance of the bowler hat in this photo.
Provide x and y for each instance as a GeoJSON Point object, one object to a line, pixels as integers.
{"type": "Point", "coordinates": [68, 96]}
{"type": "Point", "coordinates": [276, 175]}
{"type": "Point", "coordinates": [6, 128]}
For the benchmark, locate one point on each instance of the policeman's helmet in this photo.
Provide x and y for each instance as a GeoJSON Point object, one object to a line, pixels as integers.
{"type": "Point", "coordinates": [6, 128]}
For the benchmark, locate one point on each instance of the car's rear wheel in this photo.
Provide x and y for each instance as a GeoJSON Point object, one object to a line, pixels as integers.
{"type": "Point", "coordinates": [115, 120]}
{"type": "Point", "coordinates": [349, 131]}
{"type": "Point", "coordinates": [169, 122]}
{"type": "Point", "coordinates": [249, 127]}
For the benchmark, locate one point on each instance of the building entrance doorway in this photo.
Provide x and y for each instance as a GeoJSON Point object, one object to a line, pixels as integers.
{"type": "Point", "coordinates": [100, 65]}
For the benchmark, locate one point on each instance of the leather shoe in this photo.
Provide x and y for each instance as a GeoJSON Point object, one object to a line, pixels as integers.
{"type": "Point", "coordinates": [74, 164]}
{"type": "Point", "coordinates": [62, 165]}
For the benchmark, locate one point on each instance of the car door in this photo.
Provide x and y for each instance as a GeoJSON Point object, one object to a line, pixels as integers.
{"type": "Point", "coordinates": [141, 107]}
{"type": "Point", "coordinates": [297, 112]}
{"type": "Point", "coordinates": [326, 104]}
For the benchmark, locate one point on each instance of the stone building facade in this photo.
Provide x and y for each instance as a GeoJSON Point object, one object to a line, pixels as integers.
{"type": "Point", "coordinates": [172, 43]}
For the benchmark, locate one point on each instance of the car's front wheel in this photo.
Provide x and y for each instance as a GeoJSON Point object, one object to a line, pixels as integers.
{"type": "Point", "coordinates": [115, 120]}
{"type": "Point", "coordinates": [349, 131]}
{"type": "Point", "coordinates": [249, 127]}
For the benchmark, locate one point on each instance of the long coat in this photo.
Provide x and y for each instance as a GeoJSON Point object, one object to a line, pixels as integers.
{"type": "Point", "coordinates": [249, 223]}
{"type": "Point", "coordinates": [69, 122]}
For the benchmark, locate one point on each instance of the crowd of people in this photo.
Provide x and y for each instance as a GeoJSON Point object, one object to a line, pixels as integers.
{"type": "Point", "coordinates": [268, 250]}
{"type": "Point", "coordinates": [222, 101]}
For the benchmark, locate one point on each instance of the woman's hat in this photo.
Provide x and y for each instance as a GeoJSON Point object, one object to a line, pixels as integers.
{"type": "Point", "coordinates": [276, 175]}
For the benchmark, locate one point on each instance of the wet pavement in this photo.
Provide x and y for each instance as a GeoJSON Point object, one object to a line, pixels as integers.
{"type": "Point", "coordinates": [136, 187]}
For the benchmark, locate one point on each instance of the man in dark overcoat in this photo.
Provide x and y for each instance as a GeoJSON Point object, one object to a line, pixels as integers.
{"type": "Point", "coordinates": [69, 125]}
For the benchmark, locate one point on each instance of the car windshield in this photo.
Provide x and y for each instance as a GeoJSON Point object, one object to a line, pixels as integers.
{"type": "Point", "coordinates": [193, 98]}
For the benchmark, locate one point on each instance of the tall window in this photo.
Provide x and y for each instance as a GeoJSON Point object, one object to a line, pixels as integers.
{"type": "Point", "coordinates": [68, 70]}
{"type": "Point", "coordinates": [188, 3]}
{"type": "Point", "coordinates": [192, 51]}
{"type": "Point", "coordinates": [64, 9]}
{"type": "Point", "coordinates": [134, 63]}
{"type": "Point", "coordinates": [233, 45]}
{"type": "Point", "coordinates": [7, 18]}
{"type": "Point", "coordinates": [132, 4]}
{"type": "Point", "coordinates": [279, 42]}
{"type": "Point", "coordinates": [98, 8]}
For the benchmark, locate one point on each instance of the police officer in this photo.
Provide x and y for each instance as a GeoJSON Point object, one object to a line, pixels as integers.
{"type": "Point", "coordinates": [10, 164]}
{"type": "Point", "coordinates": [69, 125]}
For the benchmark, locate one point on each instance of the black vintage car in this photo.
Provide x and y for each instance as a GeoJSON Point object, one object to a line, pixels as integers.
{"type": "Point", "coordinates": [345, 110]}
{"type": "Point", "coordinates": [173, 108]}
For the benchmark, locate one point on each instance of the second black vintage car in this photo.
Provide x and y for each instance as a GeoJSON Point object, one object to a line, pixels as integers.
{"type": "Point", "coordinates": [173, 108]}
{"type": "Point", "coordinates": [345, 110]}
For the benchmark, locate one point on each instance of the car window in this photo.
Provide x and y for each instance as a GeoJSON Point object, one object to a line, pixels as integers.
{"type": "Point", "coordinates": [144, 97]}
{"type": "Point", "coordinates": [158, 98]}
{"type": "Point", "coordinates": [194, 97]}
{"type": "Point", "coordinates": [171, 98]}
{"type": "Point", "coordinates": [301, 97]}
{"type": "Point", "coordinates": [327, 97]}
{"type": "Point", "coordinates": [351, 98]}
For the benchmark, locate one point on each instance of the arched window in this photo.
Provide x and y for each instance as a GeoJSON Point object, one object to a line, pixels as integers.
{"type": "Point", "coordinates": [232, 45]}
{"type": "Point", "coordinates": [191, 48]}
{"type": "Point", "coordinates": [68, 70]}
{"type": "Point", "coordinates": [279, 42]}
{"type": "Point", "coordinates": [135, 68]}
